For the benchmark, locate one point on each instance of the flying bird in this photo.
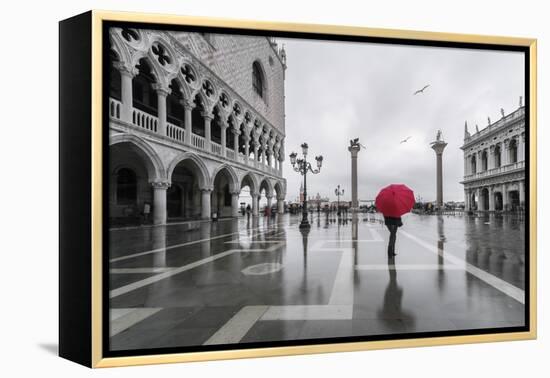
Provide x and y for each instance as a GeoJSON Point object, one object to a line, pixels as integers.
{"type": "Point", "coordinates": [421, 90]}
{"type": "Point", "coordinates": [405, 140]}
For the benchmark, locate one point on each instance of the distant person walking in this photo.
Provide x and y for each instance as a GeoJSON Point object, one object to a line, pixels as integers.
{"type": "Point", "coordinates": [248, 212]}
{"type": "Point", "coordinates": [393, 201]}
{"type": "Point", "coordinates": [392, 224]}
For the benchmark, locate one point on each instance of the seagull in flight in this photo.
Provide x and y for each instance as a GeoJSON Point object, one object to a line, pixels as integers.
{"type": "Point", "coordinates": [421, 90]}
{"type": "Point", "coordinates": [405, 140]}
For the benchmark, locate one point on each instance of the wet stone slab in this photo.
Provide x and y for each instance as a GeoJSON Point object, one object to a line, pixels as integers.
{"type": "Point", "coordinates": [236, 281]}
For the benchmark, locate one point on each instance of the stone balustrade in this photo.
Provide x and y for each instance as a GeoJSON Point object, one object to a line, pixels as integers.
{"type": "Point", "coordinates": [495, 171]}
{"type": "Point", "coordinates": [143, 120]}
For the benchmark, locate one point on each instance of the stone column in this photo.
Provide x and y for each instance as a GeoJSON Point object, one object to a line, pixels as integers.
{"type": "Point", "coordinates": [159, 201]}
{"type": "Point", "coordinates": [505, 199]}
{"type": "Point", "coordinates": [236, 134]}
{"type": "Point", "coordinates": [264, 147]}
{"type": "Point", "coordinates": [223, 127]}
{"type": "Point", "coordinates": [256, 148]}
{"type": "Point", "coordinates": [161, 104]}
{"type": "Point", "coordinates": [521, 185]}
{"type": "Point", "coordinates": [438, 146]}
{"type": "Point", "coordinates": [269, 198]}
{"type": "Point", "coordinates": [354, 149]}
{"type": "Point", "coordinates": [491, 198]}
{"type": "Point", "coordinates": [235, 204]}
{"type": "Point", "coordinates": [280, 204]}
{"type": "Point", "coordinates": [505, 153]}
{"type": "Point", "coordinates": [126, 77]}
{"type": "Point", "coordinates": [466, 200]}
{"type": "Point", "coordinates": [246, 139]}
{"type": "Point", "coordinates": [254, 197]}
{"type": "Point", "coordinates": [276, 161]}
{"type": "Point", "coordinates": [281, 159]}
{"type": "Point", "coordinates": [208, 117]}
{"type": "Point", "coordinates": [465, 165]}
{"type": "Point", "coordinates": [491, 157]}
{"type": "Point", "coordinates": [188, 120]}
{"type": "Point", "coordinates": [205, 203]}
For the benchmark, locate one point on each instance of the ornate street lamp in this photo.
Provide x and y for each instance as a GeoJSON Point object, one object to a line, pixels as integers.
{"type": "Point", "coordinates": [302, 166]}
{"type": "Point", "coordinates": [338, 193]}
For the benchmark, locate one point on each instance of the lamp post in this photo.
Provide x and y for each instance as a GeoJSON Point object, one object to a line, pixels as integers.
{"type": "Point", "coordinates": [338, 193]}
{"type": "Point", "coordinates": [302, 166]}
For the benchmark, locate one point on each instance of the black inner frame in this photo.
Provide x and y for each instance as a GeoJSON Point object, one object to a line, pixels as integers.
{"type": "Point", "coordinates": [313, 36]}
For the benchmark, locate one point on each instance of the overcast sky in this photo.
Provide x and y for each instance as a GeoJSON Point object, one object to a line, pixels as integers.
{"type": "Point", "coordinates": [337, 91]}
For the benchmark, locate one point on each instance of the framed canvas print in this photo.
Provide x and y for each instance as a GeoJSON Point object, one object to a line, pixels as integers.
{"type": "Point", "coordinates": [235, 189]}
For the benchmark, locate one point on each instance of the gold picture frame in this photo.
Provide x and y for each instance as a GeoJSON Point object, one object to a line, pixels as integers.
{"type": "Point", "coordinates": [90, 327]}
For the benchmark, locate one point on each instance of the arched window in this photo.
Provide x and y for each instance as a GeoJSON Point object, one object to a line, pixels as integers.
{"type": "Point", "coordinates": [126, 187]}
{"type": "Point", "coordinates": [473, 162]}
{"type": "Point", "coordinates": [258, 81]}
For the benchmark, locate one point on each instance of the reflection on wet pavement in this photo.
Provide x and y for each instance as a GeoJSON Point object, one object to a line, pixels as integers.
{"type": "Point", "coordinates": [235, 281]}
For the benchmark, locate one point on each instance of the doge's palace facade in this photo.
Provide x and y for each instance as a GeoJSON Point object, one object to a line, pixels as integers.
{"type": "Point", "coordinates": [193, 119]}
{"type": "Point", "coordinates": [494, 164]}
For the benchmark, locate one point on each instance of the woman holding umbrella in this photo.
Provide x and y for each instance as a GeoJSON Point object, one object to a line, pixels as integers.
{"type": "Point", "coordinates": [393, 201]}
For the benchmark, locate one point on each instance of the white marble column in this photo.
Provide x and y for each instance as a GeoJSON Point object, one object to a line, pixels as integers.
{"type": "Point", "coordinates": [235, 204]}
{"type": "Point", "coordinates": [162, 93]}
{"type": "Point", "coordinates": [280, 204]}
{"type": "Point", "coordinates": [205, 203]}
{"type": "Point", "coordinates": [505, 153]}
{"type": "Point", "coordinates": [236, 134]}
{"type": "Point", "coordinates": [505, 199]}
{"type": "Point", "coordinates": [159, 201]}
{"type": "Point", "coordinates": [264, 147]}
{"type": "Point", "coordinates": [466, 200]}
{"type": "Point", "coordinates": [223, 142]}
{"type": "Point", "coordinates": [188, 120]}
{"type": "Point", "coordinates": [246, 139]}
{"type": "Point", "coordinates": [126, 77]}
{"type": "Point", "coordinates": [255, 198]}
{"type": "Point", "coordinates": [208, 117]}
{"type": "Point", "coordinates": [256, 148]}
{"type": "Point", "coordinates": [269, 198]}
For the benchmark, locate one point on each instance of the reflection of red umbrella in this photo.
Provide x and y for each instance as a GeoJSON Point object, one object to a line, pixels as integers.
{"type": "Point", "coordinates": [395, 200]}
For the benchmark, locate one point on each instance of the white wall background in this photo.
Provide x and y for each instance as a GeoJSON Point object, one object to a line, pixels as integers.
{"type": "Point", "coordinates": [29, 190]}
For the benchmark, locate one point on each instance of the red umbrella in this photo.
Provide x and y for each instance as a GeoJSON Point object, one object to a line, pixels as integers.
{"type": "Point", "coordinates": [395, 200]}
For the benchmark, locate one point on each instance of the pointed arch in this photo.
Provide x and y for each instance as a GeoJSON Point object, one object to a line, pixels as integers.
{"type": "Point", "coordinates": [251, 180]}
{"type": "Point", "coordinates": [231, 174]}
{"type": "Point", "coordinates": [279, 190]}
{"type": "Point", "coordinates": [266, 183]}
{"type": "Point", "coordinates": [155, 167]}
{"type": "Point", "coordinates": [196, 164]}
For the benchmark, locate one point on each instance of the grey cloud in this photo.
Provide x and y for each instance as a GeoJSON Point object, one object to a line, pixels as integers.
{"type": "Point", "coordinates": [336, 91]}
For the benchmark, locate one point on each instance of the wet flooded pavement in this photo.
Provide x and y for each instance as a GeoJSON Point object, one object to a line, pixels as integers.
{"type": "Point", "coordinates": [235, 281]}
